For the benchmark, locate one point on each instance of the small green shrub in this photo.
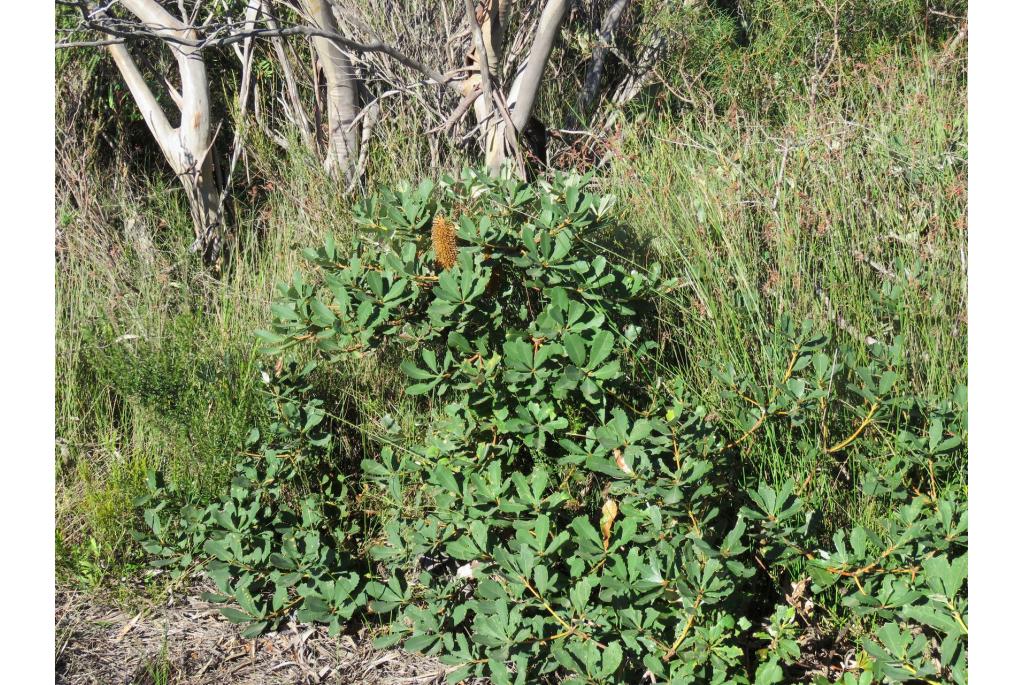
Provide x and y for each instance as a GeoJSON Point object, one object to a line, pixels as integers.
{"type": "Point", "coordinates": [204, 403]}
{"type": "Point", "coordinates": [565, 511]}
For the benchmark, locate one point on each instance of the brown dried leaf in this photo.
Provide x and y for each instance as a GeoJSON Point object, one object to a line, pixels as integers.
{"type": "Point", "coordinates": [608, 513]}
{"type": "Point", "coordinates": [621, 462]}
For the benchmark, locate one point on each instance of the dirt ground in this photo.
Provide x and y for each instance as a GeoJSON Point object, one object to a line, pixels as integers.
{"type": "Point", "coordinates": [187, 641]}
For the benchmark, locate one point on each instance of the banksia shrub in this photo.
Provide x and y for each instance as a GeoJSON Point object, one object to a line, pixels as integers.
{"type": "Point", "coordinates": [567, 512]}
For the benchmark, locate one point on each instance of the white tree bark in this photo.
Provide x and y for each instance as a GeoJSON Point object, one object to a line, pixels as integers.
{"type": "Point", "coordinates": [186, 147]}
{"type": "Point", "coordinates": [522, 95]}
{"type": "Point", "coordinates": [485, 29]}
{"type": "Point", "coordinates": [342, 94]}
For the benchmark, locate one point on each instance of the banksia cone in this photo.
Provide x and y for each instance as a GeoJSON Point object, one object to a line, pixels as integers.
{"type": "Point", "coordinates": [443, 235]}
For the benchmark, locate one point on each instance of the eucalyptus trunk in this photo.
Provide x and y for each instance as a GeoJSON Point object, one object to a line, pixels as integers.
{"type": "Point", "coordinates": [187, 146]}
{"type": "Point", "coordinates": [343, 102]}
{"type": "Point", "coordinates": [503, 134]}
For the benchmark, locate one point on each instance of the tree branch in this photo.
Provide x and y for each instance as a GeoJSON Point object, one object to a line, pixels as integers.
{"type": "Point", "coordinates": [151, 13]}
{"type": "Point", "coordinates": [291, 85]}
{"type": "Point", "coordinates": [524, 90]}
{"type": "Point", "coordinates": [152, 112]}
{"type": "Point", "coordinates": [216, 38]}
{"type": "Point", "coordinates": [342, 93]}
{"type": "Point", "coordinates": [592, 81]}
{"type": "Point", "coordinates": [481, 60]}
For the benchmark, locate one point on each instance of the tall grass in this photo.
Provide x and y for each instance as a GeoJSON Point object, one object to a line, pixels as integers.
{"type": "Point", "coordinates": [850, 212]}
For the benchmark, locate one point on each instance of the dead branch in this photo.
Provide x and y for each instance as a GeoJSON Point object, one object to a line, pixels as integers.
{"type": "Point", "coordinates": [232, 32]}
{"type": "Point", "coordinates": [592, 80]}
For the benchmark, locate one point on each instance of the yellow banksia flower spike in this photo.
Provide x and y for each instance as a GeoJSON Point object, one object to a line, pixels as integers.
{"type": "Point", "coordinates": [443, 235]}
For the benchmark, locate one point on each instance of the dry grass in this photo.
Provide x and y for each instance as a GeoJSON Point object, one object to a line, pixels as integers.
{"type": "Point", "coordinates": [186, 640]}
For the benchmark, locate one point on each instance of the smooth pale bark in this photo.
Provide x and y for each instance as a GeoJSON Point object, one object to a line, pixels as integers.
{"type": "Point", "coordinates": [486, 54]}
{"type": "Point", "coordinates": [493, 28]}
{"type": "Point", "coordinates": [187, 147]}
{"type": "Point", "coordinates": [523, 94]}
{"type": "Point", "coordinates": [342, 94]}
{"type": "Point", "coordinates": [497, 142]}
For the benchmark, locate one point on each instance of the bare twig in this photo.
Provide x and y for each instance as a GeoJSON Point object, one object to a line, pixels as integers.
{"type": "Point", "coordinates": [481, 58]}
{"type": "Point", "coordinates": [458, 112]}
{"type": "Point", "coordinates": [300, 117]}
{"type": "Point", "coordinates": [218, 37]}
{"type": "Point", "coordinates": [252, 11]}
{"type": "Point", "coordinates": [781, 175]}
{"type": "Point", "coordinates": [592, 81]}
{"type": "Point", "coordinates": [950, 49]}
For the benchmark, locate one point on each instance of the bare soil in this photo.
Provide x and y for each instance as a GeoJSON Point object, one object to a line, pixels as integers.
{"type": "Point", "coordinates": [187, 641]}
